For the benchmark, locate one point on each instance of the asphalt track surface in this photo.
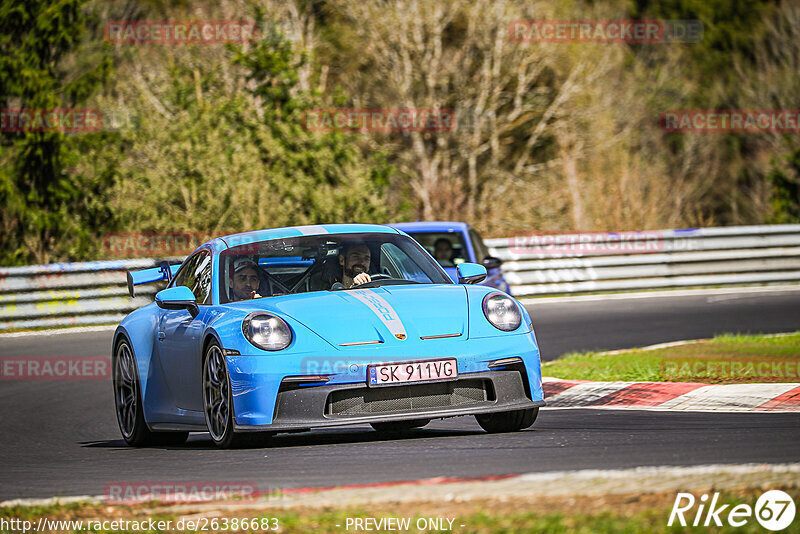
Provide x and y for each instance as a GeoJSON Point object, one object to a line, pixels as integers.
{"type": "Point", "coordinates": [60, 438]}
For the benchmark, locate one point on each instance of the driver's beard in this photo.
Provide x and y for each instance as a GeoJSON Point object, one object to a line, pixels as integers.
{"type": "Point", "coordinates": [355, 270]}
{"type": "Point", "coordinates": [243, 294]}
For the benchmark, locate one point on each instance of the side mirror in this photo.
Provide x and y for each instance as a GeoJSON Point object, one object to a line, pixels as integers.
{"type": "Point", "coordinates": [178, 298]}
{"type": "Point", "coordinates": [470, 273]}
{"type": "Point", "coordinates": [490, 262]}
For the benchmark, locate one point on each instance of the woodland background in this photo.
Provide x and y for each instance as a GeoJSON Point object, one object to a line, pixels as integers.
{"type": "Point", "coordinates": [549, 136]}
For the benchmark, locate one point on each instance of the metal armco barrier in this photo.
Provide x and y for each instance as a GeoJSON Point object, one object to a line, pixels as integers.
{"type": "Point", "coordinates": [95, 292]}
{"type": "Point", "coordinates": [631, 261]}
{"type": "Point", "coordinates": [63, 294]}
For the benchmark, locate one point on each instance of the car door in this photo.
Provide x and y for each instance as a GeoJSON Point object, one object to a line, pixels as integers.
{"type": "Point", "coordinates": [179, 336]}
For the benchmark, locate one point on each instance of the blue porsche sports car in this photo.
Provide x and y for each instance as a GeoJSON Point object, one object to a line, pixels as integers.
{"type": "Point", "coordinates": [290, 329]}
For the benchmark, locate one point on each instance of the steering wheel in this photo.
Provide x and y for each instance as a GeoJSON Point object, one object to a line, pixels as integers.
{"type": "Point", "coordinates": [380, 276]}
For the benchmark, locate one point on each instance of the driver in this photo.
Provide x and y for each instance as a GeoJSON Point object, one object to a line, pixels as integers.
{"type": "Point", "coordinates": [354, 260]}
{"type": "Point", "coordinates": [244, 280]}
{"type": "Point", "coordinates": [443, 252]}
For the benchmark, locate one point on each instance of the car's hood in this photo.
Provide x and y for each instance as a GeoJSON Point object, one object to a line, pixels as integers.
{"type": "Point", "coordinates": [388, 314]}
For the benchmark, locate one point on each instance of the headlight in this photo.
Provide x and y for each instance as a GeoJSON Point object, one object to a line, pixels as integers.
{"type": "Point", "coordinates": [266, 331]}
{"type": "Point", "coordinates": [502, 311]}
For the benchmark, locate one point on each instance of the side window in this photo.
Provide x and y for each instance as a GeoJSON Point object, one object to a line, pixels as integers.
{"type": "Point", "coordinates": [477, 244]}
{"type": "Point", "coordinates": [196, 275]}
{"type": "Point", "coordinates": [187, 266]}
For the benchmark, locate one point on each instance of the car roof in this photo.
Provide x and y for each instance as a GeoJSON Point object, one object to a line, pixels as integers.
{"type": "Point", "coordinates": [232, 240]}
{"type": "Point", "coordinates": [431, 226]}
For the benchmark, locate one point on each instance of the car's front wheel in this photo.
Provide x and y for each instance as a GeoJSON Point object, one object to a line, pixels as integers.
{"type": "Point", "coordinates": [128, 403]}
{"type": "Point", "coordinates": [507, 421]}
{"type": "Point", "coordinates": [218, 403]}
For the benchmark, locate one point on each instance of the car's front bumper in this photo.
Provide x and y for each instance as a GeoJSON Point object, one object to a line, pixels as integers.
{"type": "Point", "coordinates": [258, 381]}
{"type": "Point", "coordinates": [306, 407]}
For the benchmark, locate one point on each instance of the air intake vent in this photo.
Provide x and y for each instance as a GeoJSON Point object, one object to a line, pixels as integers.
{"type": "Point", "coordinates": [370, 401]}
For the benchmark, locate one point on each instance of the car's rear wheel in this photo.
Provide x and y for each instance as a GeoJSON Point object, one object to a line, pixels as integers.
{"type": "Point", "coordinates": [218, 403]}
{"type": "Point", "coordinates": [128, 403]}
{"type": "Point", "coordinates": [507, 421]}
{"type": "Point", "coordinates": [400, 426]}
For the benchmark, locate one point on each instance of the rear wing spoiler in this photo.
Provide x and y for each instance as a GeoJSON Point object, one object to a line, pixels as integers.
{"type": "Point", "coordinates": [164, 271]}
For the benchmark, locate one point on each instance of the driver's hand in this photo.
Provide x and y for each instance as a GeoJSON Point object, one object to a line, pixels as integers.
{"type": "Point", "coordinates": [361, 278]}
{"type": "Point", "coordinates": [255, 295]}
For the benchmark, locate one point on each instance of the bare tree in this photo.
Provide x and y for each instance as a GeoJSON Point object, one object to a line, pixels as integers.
{"type": "Point", "coordinates": [530, 115]}
{"type": "Point", "coordinates": [459, 55]}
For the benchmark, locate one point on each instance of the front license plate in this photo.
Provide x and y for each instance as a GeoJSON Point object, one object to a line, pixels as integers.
{"type": "Point", "coordinates": [405, 372]}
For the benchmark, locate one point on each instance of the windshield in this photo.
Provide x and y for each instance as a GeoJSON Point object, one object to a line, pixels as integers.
{"type": "Point", "coordinates": [324, 263]}
{"type": "Point", "coordinates": [447, 247]}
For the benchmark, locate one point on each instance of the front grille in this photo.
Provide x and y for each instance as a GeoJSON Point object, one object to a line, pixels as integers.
{"type": "Point", "coordinates": [369, 401]}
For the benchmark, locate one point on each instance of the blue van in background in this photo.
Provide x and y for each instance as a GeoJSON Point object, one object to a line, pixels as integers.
{"type": "Point", "coordinates": [452, 243]}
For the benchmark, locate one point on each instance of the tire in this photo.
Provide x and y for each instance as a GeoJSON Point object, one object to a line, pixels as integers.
{"type": "Point", "coordinates": [512, 421]}
{"type": "Point", "coordinates": [400, 426]}
{"type": "Point", "coordinates": [218, 404]}
{"type": "Point", "coordinates": [128, 403]}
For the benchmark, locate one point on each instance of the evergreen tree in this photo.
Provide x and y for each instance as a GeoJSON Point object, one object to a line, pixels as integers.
{"type": "Point", "coordinates": [40, 70]}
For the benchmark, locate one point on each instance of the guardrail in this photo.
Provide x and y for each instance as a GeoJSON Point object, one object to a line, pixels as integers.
{"type": "Point", "coordinates": [64, 294]}
{"type": "Point", "coordinates": [95, 292]}
{"type": "Point", "coordinates": [627, 261]}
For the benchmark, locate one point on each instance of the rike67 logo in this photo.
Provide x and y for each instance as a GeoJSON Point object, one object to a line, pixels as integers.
{"type": "Point", "coordinates": [774, 510]}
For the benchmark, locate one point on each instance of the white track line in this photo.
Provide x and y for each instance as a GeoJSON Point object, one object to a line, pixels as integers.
{"type": "Point", "coordinates": [666, 293]}
{"type": "Point", "coordinates": [76, 330]}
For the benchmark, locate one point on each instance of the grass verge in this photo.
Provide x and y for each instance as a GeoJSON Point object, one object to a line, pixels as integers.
{"type": "Point", "coordinates": [635, 512]}
{"type": "Point", "coordinates": [726, 359]}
